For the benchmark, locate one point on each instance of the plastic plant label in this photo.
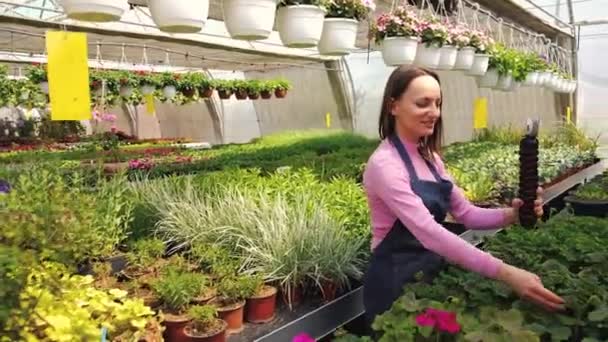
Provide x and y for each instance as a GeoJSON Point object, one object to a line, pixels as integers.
{"type": "Point", "coordinates": [568, 114]}
{"type": "Point", "coordinates": [68, 75]}
{"type": "Point", "coordinates": [328, 120]}
{"type": "Point", "coordinates": [150, 109]}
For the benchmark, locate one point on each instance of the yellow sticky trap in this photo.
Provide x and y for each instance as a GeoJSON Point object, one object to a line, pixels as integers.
{"type": "Point", "coordinates": [150, 104]}
{"type": "Point", "coordinates": [568, 114]}
{"type": "Point", "coordinates": [68, 75]}
{"type": "Point", "coordinates": [480, 113]}
{"type": "Point", "coordinates": [328, 120]}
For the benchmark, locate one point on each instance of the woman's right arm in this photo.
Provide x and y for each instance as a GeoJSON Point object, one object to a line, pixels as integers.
{"type": "Point", "coordinates": [390, 183]}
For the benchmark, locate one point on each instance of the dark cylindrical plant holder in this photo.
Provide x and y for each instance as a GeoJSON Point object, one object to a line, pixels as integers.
{"type": "Point", "coordinates": [241, 94]}
{"type": "Point", "coordinates": [528, 179]}
{"type": "Point", "coordinates": [189, 92]}
{"type": "Point", "coordinates": [205, 92]}
{"type": "Point", "coordinates": [266, 94]}
{"type": "Point", "coordinates": [584, 207]}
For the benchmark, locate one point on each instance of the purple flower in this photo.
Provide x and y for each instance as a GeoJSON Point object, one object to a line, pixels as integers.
{"type": "Point", "coordinates": [5, 187]}
{"type": "Point", "coordinates": [303, 337]}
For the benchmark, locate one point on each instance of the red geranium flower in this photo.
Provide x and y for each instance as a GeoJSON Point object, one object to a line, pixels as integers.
{"type": "Point", "coordinates": [444, 321]}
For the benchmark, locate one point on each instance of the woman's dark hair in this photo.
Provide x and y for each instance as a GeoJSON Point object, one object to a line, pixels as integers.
{"type": "Point", "coordinates": [397, 84]}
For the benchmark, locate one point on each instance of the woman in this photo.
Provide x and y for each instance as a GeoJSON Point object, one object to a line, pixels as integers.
{"type": "Point", "coordinates": [409, 194]}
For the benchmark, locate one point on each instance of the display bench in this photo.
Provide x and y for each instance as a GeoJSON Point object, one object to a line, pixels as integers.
{"type": "Point", "coordinates": [321, 320]}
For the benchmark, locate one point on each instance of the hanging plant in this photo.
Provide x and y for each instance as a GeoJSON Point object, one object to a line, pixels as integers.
{"type": "Point", "coordinates": [206, 87]}
{"type": "Point", "coordinates": [240, 89]}
{"type": "Point", "coordinates": [266, 89]}
{"type": "Point", "coordinates": [168, 83]}
{"type": "Point", "coordinates": [433, 33]}
{"type": "Point", "coordinates": [253, 89]}
{"type": "Point", "coordinates": [397, 33]}
{"type": "Point", "coordinates": [300, 22]}
{"type": "Point", "coordinates": [127, 81]}
{"type": "Point", "coordinates": [481, 41]}
{"type": "Point", "coordinates": [340, 25]}
{"type": "Point", "coordinates": [147, 82]}
{"type": "Point", "coordinates": [37, 74]}
{"type": "Point", "coordinates": [188, 83]}
{"type": "Point", "coordinates": [281, 87]}
{"type": "Point", "coordinates": [225, 88]}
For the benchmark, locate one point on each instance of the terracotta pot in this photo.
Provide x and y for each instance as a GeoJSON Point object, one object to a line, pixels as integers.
{"type": "Point", "coordinates": [189, 92]}
{"type": "Point", "coordinates": [205, 297]}
{"type": "Point", "coordinates": [224, 94]}
{"type": "Point", "coordinates": [205, 92]}
{"type": "Point", "coordinates": [174, 328]}
{"type": "Point", "coordinates": [280, 93]}
{"type": "Point", "coordinates": [212, 336]}
{"type": "Point", "coordinates": [261, 308]}
{"type": "Point", "coordinates": [111, 168]}
{"type": "Point", "coordinates": [253, 96]}
{"type": "Point", "coordinates": [233, 315]}
{"type": "Point", "coordinates": [328, 290]}
{"type": "Point", "coordinates": [241, 94]}
{"type": "Point", "coordinates": [266, 94]}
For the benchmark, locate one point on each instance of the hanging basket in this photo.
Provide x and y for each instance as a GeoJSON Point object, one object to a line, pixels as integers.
{"type": "Point", "coordinates": [531, 79]}
{"type": "Point", "coordinates": [427, 57]}
{"type": "Point", "coordinates": [488, 80]}
{"type": "Point", "coordinates": [504, 82]}
{"type": "Point", "coordinates": [94, 10]}
{"type": "Point", "coordinates": [464, 58]}
{"type": "Point", "coordinates": [169, 92]}
{"type": "Point", "coordinates": [126, 91]}
{"type": "Point", "coordinates": [179, 16]}
{"type": "Point", "coordinates": [480, 65]}
{"type": "Point", "coordinates": [339, 36]}
{"type": "Point", "coordinates": [300, 26]}
{"type": "Point", "coordinates": [447, 58]}
{"type": "Point", "coordinates": [399, 50]}
{"type": "Point", "coordinates": [249, 19]}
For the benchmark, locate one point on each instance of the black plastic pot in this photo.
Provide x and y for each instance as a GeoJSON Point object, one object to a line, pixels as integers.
{"type": "Point", "coordinates": [583, 207]}
{"type": "Point", "coordinates": [118, 263]}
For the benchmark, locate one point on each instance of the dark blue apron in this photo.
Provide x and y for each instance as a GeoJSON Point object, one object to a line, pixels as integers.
{"type": "Point", "coordinates": [400, 256]}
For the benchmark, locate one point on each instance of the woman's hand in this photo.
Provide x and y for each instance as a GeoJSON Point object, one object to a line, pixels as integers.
{"type": "Point", "coordinates": [518, 203]}
{"type": "Point", "coordinates": [529, 286]}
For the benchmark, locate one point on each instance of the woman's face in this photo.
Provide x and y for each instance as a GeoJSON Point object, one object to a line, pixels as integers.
{"type": "Point", "coordinates": [417, 110]}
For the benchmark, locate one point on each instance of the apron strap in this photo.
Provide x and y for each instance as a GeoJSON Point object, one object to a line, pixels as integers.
{"type": "Point", "coordinates": [433, 170]}
{"type": "Point", "coordinates": [405, 157]}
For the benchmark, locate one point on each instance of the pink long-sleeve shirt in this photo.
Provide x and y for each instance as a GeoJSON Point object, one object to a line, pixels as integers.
{"type": "Point", "coordinates": [390, 197]}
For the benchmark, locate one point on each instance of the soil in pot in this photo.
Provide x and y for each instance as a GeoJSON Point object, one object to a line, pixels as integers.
{"type": "Point", "coordinates": [174, 327]}
{"type": "Point", "coordinates": [233, 314]}
{"type": "Point", "coordinates": [253, 96]}
{"type": "Point", "coordinates": [241, 94]}
{"type": "Point", "coordinates": [280, 93]}
{"type": "Point", "coordinates": [189, 92]}
{"type": "Point", "coordinates": [205, 92]}
{"type": "Point", "coordinates": [224, 94]}
{"type": "Point", "coordinates": [266, 94]}
{"type": "Point", "coordinates": [214, 333]}
{"type": "Point", "coordinates": [261, 307]}
{"type": "Point", "coordinates": [583, 207]}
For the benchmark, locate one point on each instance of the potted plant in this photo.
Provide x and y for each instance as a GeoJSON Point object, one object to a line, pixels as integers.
{"type": "Point", "coordinates": [206, 87]}
{"type": "Point", "coordinates": [281, 87]}
{"type": "Point", "coordinates": [260, 307]}
{"type": "Point", "coordinates": [483, 45]}
{"type": "Point", "coordinates": [205, 326]}
{"type": "Point", "coordinates": [126, 82]}
{"type": "Point", "coordinates": [240, 89]}
{"type": "Point", "coordinates": [179, 16]}
{"type": "Point", "coordinates": [225, 88]}
{"type": "Point", "coordinates": [397, 33]}
{"type": "Point", "coordinates": [253, 89]}
{"type": "Point", "coordinates": [449, 50]}
{"type": "Point", "coordinates": [188, 83]}
{"type": "Point", "coordinates": [590, 199]}
{"type": "Point", "coordinates": [176, 289]}
{"type": "Point", "coordinates": [168, 84]}
{"type": "Point", "coordinates": [266, 89]}
{"type": "Point", "coordinates": [433, 36]}
{"type": "Point", "coordinates": [300, 22]}
{"type": "Point", "coordinates": [249, 19]}
{"type": "Point", "coordinates": [340, 25]}
{"type": "Point", "coordinates": [460, 36]}
{"type": "Point", "coordinates": [94, 10]}
{"type": "Point", "coordinates": [490, 78]}
{"type": "Point", "coordinates": [232, 291]}
{"type": "Point", "coordinates": [147, 82]}
{"type": "Point", "coordinates": [37, 74]}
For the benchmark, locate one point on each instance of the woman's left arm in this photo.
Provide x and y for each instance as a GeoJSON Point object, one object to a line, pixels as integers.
{"type": "Point", "coordinates": [471, 216]}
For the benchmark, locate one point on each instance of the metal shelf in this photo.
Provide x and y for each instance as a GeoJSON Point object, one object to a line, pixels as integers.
{"type": "Point", "coordinates": [324, 320]}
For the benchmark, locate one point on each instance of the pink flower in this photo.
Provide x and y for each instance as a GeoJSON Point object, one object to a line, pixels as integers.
{"type": "Point", "coordinates": [444, 321]}
{"type": "Point", "coordinates": [303, 337]}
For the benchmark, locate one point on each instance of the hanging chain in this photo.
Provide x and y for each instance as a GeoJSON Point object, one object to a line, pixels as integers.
{"type": "Point", "coordinates": [123, 56]}
{"type": "Point", "coordinates": [501, 37]}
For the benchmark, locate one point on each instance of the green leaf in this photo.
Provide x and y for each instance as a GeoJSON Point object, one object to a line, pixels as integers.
{"type": "Point", "coordinates": [510, 320]}
{"type": "Point", "coordinates": [559, 333]}
{"type": "Point", "coordinates": [525, 336]}
{"type": "Point", "coordinates": [589, 339]}
{"type": "Point", "coordinates": [537, 328]}
{"type": "Point", "coordinates": [598, 315]}
{"type": "Point", "coordinates": [425, 331]}
{"type": "Point", "coordinates": [410, 303]}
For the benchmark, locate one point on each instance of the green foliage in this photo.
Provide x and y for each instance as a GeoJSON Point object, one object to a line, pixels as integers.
{"type": "Point", "coordinates": [203, 316]}
{"type": "Point", "coordinates": [350, 9]}
{"type": "Point", "coordinates": [56, 306]}
{"type": "Point", "coordinates": [177, 288]}
{"type": "Point", "coordinates": [233, 289]}
{"type": "Point", "coordinates": [489, 311]}
{"type": "Point", "coordinates": [145, 252]}
{"type": "Point", "coordinates": [62, 221]}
